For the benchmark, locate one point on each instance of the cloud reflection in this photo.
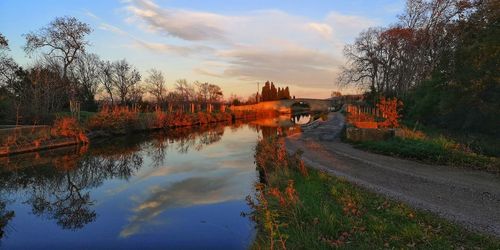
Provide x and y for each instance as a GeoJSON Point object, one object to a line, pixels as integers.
{"type": "Point", "coordinates": [185, 193]}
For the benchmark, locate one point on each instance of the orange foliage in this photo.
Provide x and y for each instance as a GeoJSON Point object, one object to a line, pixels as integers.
{"type": "Point", "coordinates": [68, 127]}
{"type": "Point", "coordinates": [370, 124]}
{"type": "Point", "coordinates": [389, 110]}
{"type": "Point", "coordinates": [117, 119]}
{"type": "Point", "coordinates": [386, 111]}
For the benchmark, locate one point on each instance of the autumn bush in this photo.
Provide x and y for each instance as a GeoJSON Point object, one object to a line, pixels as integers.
{"type": "Point", "coordinates": [68, 127]}
{"type": "Point", "coordinates": [386, 114]}
{"type": "Point", "coordinates": [117, 120]}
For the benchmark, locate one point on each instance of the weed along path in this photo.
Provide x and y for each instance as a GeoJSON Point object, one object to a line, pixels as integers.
{"type": "Point", "coordinates": [468, 197]}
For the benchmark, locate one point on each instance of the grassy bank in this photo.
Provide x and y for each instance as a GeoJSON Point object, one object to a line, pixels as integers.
{"type": "Point", "coordinates": [67, 130]}
{"type": "Point", "coordinates": [300, 208]}
{"type": "Point", "coordinates": [433, 148]}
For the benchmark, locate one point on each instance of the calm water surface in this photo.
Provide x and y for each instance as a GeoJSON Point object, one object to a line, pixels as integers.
{"type": "Point", "coordinates": [181, 189]}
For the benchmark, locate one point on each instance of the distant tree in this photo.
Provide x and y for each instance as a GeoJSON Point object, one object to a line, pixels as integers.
{"type": "Point", "coordinates": [184, 89]}
{"type": "Point", "coordinates": [235, 100]}
{"type": "Point", "coordinates": [335, 94]}
{"type": "Point", "coordinates": [215, 92]}
{"type": "Point", "coordinates": [203, 91]}
{"type": "Point", "coordinates": [287, 93]}
{"type": "Point", "coordinates": [156, 86]}
{"type": "Point", "coordinates": [125, 81]}
{"type": "Point", "coordinates": [266, 92]}
{"type": "Point", "coordinates": [252, 99]}
{"type": "Point", "coordinates": [273, 93]}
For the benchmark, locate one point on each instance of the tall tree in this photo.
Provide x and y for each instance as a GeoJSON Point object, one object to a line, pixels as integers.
{"type": "Point", "coordinates": [125, 80]}
{"type": "Point", "coordinates": [62, 40]}
{"type": "Point", "coordinates": [106, 78]}
{"type": "Point", "coordinates": [85, 73]}
{"type": "Point", "coordinates": [185, 90]}
{"type": "Point", "coordinates": [156, 85]}
{"type": "Point", "coordinates": [8, 66]}
{"type": "Point", "coordinates": [273, 94]}
{"type": "Point", "coordinates": [287, 93]}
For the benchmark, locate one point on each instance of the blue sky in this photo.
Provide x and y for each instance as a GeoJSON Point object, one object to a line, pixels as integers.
{"type": "Point", "coordinates": [231, 43]}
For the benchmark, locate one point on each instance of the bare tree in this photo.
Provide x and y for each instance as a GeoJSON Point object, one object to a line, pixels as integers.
{"type": "Point", "coordinates": [62, 40]}
{"type": "Point", "coordinates": [8, 66]}
{"type": "Point", "coordinates": [184, 89]}
{"type": "Point", "coordinates": [106, 74]}
{"type": "Point", "coordinates": [395, 59]}
{"type": "Point", "coordinates": [86, 72]}
{"type": "Point", "coordinates": [215, 93]}
{"type": "Point", "coordinates": [364, 61]}
{"type": "Point", "coordinates": [125, 80]}
{"type": "Point", "coordinates": [3, 42]}
{"type": "Point", "coordinates": [203, 91]}
{"type": "Point", "coordinates": [156, 85]}
{"type": "Point", "coordinates": [64, 37]}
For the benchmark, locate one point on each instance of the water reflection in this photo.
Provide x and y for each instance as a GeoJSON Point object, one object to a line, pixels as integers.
{"type": "Point", "coordinates": [133, 182]}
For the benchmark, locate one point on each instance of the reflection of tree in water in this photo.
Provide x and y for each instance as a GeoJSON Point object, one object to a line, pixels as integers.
{"type": "Point", "coordinates": [269, 131]}
{"type": "Point", "coordinates": [5, 217]}
{"type": "Point", "coordinates": [58, 186]}
{"type": "Point", "coordinates": [58, 182]}
{"type": "Point", "coordinates": [185, 139]}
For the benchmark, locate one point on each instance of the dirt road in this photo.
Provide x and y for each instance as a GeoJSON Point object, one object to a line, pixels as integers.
{"type": "Point", "coordinates": [470, 198]}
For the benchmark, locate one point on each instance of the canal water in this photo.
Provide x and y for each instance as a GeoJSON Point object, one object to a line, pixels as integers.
{"type": "Point", "coordinates": [184, 188]}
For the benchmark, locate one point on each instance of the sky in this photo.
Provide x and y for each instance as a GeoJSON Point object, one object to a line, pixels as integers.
{"type": "Point", "coordinates": [233, 43]}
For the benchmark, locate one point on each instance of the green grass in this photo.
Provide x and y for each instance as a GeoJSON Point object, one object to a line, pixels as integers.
{"type": "Point", "coordinates": [433, 151]}
{"type": "Point", "coordinates": [488, 145]}
{"type": "Point", "coordinates": [332, 213]}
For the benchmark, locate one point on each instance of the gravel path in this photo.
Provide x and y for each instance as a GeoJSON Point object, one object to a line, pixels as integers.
{"type": "Point", "coordinates": [471, 198]}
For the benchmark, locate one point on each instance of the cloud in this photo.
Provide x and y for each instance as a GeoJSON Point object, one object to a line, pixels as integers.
{"type": "Point", "coordinates": [188, 25]}
{"type": "Point", "coordinates": [114, 29]}
{"type": "Point", "coordinates": [172, 49]}
{"type": "Point", "coordinates": [290, 64]}
{"type": "Point", "coordinates": [322, 29]}
{"type": "Point", "coordinates": [254, 46]}
{"type": "Point", "coordinates": [347, 27]}
{"type": "Point", "coordinates": [157, 47]}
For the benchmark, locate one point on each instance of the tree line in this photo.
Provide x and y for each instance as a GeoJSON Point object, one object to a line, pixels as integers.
{"type": "Point", "coordinates": [64, 74]}
{"type": "Point", "coordinates": [271, 93]}
{"type": "Point", "coordinates": [441, 58]}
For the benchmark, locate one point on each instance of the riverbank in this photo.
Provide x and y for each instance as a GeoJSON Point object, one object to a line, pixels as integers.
{"type": "Point", "coordinates": [301, 207]}
{"type": "Point", "coordinates": [118, 121]}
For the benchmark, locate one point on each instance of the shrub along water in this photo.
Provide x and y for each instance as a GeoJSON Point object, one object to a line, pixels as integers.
{"type": "Point", "coordinates": [299, 208]}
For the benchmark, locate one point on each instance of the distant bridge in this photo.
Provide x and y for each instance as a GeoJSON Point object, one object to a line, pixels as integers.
{"type": "Point", "coordinates": [285, 106]}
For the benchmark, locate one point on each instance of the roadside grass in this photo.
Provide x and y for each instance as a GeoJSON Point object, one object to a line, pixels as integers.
{"type": "Point", "coordinates": [328, 212]}
{"type": "Point", "coordinates": [433, 150]}
{"type": "Point", "coordinates": [484, 144]}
